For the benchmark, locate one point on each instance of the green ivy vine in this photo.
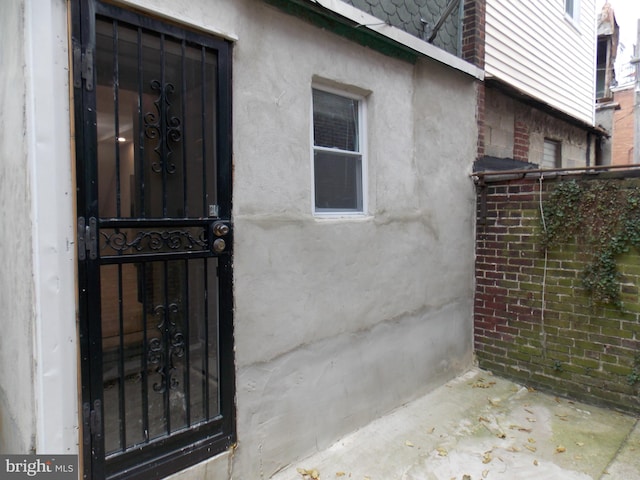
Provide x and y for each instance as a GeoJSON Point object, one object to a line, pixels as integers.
{"type": "Point", "coordinates": [603, 218]}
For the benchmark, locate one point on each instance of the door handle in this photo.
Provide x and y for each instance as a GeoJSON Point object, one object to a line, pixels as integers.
{"type": "Point", "coordinates": [220, 229]}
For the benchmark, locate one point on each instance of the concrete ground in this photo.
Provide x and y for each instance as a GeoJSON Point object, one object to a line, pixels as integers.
{"type": "Point", "coordinates": [479, 426]}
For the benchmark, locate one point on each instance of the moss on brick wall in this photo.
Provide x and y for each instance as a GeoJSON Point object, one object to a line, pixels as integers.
{"type": "Point", "coordinates": [534, 319]}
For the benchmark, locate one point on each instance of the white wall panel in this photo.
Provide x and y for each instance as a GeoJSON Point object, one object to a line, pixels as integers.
{"type": "Point", "coordinates": [535, 47]}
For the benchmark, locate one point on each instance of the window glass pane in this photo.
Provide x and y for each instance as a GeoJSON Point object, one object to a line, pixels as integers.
{"type": "Point", "coordinates": [551, 155]}
{"type": "Point", "coordinates": [335, 121]}
{"type": "Point", "coordinates": [338, 181]}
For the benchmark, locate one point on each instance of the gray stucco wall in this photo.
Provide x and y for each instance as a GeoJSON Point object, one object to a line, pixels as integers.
{"type": "Point", "coordinates": [340, 321]}
{"type": "Point", "coordinates": [17, 416]}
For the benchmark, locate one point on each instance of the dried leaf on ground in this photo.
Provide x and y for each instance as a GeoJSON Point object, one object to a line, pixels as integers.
{"type": "Point", "coordinates": [535, 462]}
{"type": "Point", "coordinates": [531, 448]}
{"type": "Point", "coordinates": [309, 474]}
{"type": "Point", "coordinates": [442, 451]}
{"type": "Point", "coordinates": [486, 457]}
{"type": "Point", "coordinates": [560, 449]}
{"type": "Point", "coordinates": [580, 444]}
{"type": "Point", "coordinates": [409, 444]}
{"type": "Point", "coordinates": [340, 474]}
{"type": "Point", "coordinates": [466, 477]}
{"type": "Point", "coordinates": [480, 383]}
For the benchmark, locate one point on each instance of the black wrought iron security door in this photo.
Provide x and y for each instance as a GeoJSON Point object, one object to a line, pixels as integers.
{"type": "Point", "coordinates": [154, 243]}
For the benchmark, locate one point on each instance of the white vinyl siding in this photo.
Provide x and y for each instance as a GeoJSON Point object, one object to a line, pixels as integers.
{"type": "Point", "coordinates": [533, 47]}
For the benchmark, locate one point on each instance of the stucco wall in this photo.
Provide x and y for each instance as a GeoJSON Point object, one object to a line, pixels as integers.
{"type": "Point", "coordinates": [38, 371]}
{"type": "Point", "coordinates": [339, 321]}
{"type": "Point", "coordinates": [17, 432]}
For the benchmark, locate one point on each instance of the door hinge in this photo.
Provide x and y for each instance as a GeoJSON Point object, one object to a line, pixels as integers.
{"type": "Point", "coordinates": [87, 238]}
{"type": "Point", "coordinates": [92, 421]}
{"type": "Point", "coordinates": [82, 67]}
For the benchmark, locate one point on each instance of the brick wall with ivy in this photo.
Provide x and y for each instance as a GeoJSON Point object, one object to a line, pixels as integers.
{"type": "Point", "coordinates": [568, 324]}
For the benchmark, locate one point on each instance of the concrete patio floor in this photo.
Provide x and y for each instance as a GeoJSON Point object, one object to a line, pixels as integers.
{"type": "Point", "coordinates": [479, 426]}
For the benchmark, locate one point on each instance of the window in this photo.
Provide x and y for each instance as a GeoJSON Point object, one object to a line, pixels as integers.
{"type": "Point", "coordinates": [551, 156]}
{"type": "Point", "coordinates": [571, 8]}
{"type": "Point", "coordinates": [605, 76]}
{"type": "Point", "coordinates": [338, 163]}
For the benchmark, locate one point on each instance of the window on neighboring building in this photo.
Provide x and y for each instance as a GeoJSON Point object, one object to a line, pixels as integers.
{"type": "Point", "coordinates": [338, 159]}
{"type": "Point", "coordinates": [551, 157]}
{"type": "Point", "coordinates": [571, 8]}
{"type": "Point", "coordinates": [601, 68]}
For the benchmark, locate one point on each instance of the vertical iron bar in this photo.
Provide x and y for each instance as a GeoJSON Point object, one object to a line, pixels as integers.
{"type": "Point", "coordinates": [164, 161]}
{"type": "Point", "coordinates": [145, 338]}
{"type": "Point", "coordinates": [116, 110]}
{"type": "Point", "coordinates": [140, 181]}
{"type": "Point", "coordinates": [166, 350]}
{"type": "Point", "coordinates": [183, 92]}
{"type": "Point", "coordinates": [205, 209]}
{"type": "Point", "coordinates": [205, 383]}
{"type": "Point", "coordinates": [187, 343]}
{"type": "Point", "coordinates": [121, 392]}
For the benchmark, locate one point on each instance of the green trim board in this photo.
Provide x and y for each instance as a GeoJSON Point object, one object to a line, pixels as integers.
{"type": "Point", "coordinates": [328, 20]}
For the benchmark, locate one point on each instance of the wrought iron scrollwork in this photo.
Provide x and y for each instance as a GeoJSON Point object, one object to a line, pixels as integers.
{"type": "Point", "coordinates": [154, 241]}
{"type": "Point", "coordinates": [165, 350]}
{"type": "Point", "coordinates": [163, 126]}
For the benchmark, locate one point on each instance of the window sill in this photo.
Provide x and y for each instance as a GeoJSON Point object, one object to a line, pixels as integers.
{"type": "Point", "coordinates": [342, 216]}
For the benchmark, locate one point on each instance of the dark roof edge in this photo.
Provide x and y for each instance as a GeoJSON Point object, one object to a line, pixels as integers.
{"type": "Point", "coordinates": [378, 36]}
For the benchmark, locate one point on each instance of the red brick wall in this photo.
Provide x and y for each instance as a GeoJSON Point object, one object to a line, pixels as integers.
{"type": "Point", "coordinates": [521, 141]}
{"type": "Point", "coordinates": [570, 347]}
{"type": "Point", "coordinates": [473, 32]}
{"type": "Point", "coordinates": [623, 128]}
{"type": "Point", "coordinates": [473, 35]}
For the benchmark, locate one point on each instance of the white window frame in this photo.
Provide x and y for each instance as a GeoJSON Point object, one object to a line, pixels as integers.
{"type": "Point", "coordinates": [361, 153]}
{"type": "Point", "coordinates": [572, 14]}
{"type": "Point", "coordinates": [557, 147]}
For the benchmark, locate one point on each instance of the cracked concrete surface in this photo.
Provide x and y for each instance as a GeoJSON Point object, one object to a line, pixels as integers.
{"type": "Point", "coordinates": [479, 426]}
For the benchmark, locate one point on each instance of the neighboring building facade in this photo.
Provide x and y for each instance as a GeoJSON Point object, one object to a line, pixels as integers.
{"type": "Point", "coordinates": [234, 231]}
{"type": "Point", "coordinates": [606, 105]}
{"type": "Point", "coordinates": [539, 85]}
{"type": "Point", "coordinates": [623, 125]}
